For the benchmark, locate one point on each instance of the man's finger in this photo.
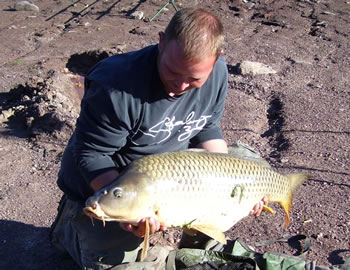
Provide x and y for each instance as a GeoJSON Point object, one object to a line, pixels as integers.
{"type": "Point", "coordinates": [265, 200]}
{"type": "Point", "coordinates": [127, 227]}
{"type": "Point", "coordinates": [140, 229]}
{"type": "Point", "coordinates": [154, 225]}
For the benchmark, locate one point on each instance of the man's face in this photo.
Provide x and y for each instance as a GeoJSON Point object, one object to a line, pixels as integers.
{"type": "Point", "coordinates": [177, 74]}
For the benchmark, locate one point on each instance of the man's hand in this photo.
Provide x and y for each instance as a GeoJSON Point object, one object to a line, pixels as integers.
{"type": "Point", "coordinates": [259, 207]}
{"type": "Point", "coordinates": [140, 229]}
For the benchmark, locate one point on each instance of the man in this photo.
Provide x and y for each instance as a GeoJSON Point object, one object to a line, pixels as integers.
{"type": "Point", "coordinates": [165, 97]}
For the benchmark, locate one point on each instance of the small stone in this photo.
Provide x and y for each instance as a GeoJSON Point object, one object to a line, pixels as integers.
{"type": "Point", "coordinates": [25, 5]}
{"type": "Point", "coordinates": [137, 15]}
{"type": "Point", "coordinates": [255, 68]}
{"type": "Point", "coordinates": [6, 114]}
{"type": "Point", "coordinates": [61, 26]}
{"type": "Point", "coordinates": [29, 121]}
{"type": "Point", "coordinates": [319, 236]}
{"type": "Point", "coordinates": [26, 98]}
{"type": "Point", "coordinates": [284, 160]}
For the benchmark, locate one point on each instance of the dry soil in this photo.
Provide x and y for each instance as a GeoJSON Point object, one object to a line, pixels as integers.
{"type": "Point", "coordinates": [297, 118]}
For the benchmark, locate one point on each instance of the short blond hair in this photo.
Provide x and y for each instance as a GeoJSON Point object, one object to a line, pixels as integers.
{"type": "Point", "coordinates": [199, 31]}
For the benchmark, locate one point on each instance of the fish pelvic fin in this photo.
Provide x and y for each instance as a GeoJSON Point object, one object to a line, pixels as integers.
{"type": "Point", "coordinates": [211, 232]}
{"type": "Point", "coordinates": [295, 180]}
{"type": "Point", "coordinates": [145, 244]}
{"type": "Point", "coordinates": [190, 232]}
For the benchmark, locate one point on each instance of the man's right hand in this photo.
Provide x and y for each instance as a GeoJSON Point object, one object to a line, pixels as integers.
{"type": "Point", "coordinates": [140, 229]}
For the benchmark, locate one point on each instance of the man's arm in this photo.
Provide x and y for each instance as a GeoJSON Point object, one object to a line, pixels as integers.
{"type": "Point", "coordinates": [216, 145]}
{"type": "Point", "coordinates": [103, 180]}
{"type": "Point", "coordinates": [101, 131]}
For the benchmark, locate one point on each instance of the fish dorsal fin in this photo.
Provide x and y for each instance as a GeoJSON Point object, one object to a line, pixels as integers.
{"type": "Point", "coordinates": [238, 150]}
{"type": "Point", "coordinates": [246, 152]}
{"type": "Point", "coordinates": [211, 232]}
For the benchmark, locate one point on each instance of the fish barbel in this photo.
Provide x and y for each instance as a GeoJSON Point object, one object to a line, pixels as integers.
{"type": "Point", "coordinates": [207, 192]}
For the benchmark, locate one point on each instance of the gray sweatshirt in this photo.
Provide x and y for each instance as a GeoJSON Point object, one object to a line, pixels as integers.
{"type": "Point", "coordinates": [126, 114]}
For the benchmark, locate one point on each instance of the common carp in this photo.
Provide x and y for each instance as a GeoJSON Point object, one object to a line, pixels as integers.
{"type": "Point", "coordinates": [207, 192]}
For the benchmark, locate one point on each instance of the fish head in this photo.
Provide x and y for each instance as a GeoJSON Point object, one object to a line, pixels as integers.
{"type": "Point", "coordinates": [129, 199]}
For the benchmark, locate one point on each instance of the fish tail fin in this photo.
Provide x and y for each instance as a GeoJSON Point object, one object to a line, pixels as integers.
{"type": "Point", "coordinates": [295, 181]}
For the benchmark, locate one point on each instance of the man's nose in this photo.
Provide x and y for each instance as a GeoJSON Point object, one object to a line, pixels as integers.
{"type": "Point", "coordinates": [181, 84]}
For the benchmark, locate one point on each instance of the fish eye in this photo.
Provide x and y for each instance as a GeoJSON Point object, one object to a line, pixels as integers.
{"type": "Point", "coordinates": [118, 192]}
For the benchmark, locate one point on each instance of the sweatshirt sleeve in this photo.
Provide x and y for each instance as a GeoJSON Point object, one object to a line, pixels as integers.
{"type": "Point", "coordinates": [102, 129]}
{"type": "Point", "coordinates": [218, 82]}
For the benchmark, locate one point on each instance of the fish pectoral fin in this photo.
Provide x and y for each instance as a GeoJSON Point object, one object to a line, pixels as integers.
{"type": "Point", "coordinates": [269, 209]}
{"type": "Point", "coordinates": [211, 232]}
{"type": "Point", "coordinates": [145, 244]}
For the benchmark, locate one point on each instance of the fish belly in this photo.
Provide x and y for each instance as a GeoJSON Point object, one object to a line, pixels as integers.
{"type": "Point", "coordinates": [218, 203]}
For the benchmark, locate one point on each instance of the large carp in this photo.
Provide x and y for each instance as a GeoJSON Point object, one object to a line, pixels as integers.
{"type": "Point", "coordinates": [207, 192]}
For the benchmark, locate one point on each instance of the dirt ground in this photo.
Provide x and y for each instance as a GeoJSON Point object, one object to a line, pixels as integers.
{"type": "Point", "coordinates": [297, 118]}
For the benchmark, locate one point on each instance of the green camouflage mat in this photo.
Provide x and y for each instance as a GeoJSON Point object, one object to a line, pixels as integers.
{"type": "Point", "coordinates": [238, 255]}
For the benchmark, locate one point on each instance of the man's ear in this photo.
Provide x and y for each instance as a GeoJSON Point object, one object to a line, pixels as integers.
{"type": "Point", "coordinates": [161, 40]}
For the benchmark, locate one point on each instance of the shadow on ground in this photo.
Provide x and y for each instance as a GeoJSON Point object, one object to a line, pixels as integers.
{"type": "Point", "coordinates": [25, 246]}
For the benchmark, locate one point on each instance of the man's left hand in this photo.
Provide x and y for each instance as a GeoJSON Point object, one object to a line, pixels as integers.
{"type": "Point", "coordinates": [259, 207]}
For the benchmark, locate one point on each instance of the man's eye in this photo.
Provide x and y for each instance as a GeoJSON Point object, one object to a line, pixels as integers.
{"type": "Point", "coordinates": [194, 80]}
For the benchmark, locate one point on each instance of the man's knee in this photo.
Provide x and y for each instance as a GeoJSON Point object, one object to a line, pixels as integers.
{"type": "Point", "coordinates": [63, 235]}
{"type": "Point", "coordinates": [92, 245]}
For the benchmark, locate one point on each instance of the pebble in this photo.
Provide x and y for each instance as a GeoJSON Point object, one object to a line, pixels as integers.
{"type": "Point", "coordinates": [6, 114]}
{"type": "Point", "coordinates": [137, 15]}
{"type": "Point", "coordinates": [25, 5]}
{"type": "Point", "coordinates": [61, 26]}
{"type": "Point", "coordinates": [255, 68]}
{"type": "Point", "coordinates": [319, 236]}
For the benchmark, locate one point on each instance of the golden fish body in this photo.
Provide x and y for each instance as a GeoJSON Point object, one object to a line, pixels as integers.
{"type": "Point", "coordinates": [209, 192]}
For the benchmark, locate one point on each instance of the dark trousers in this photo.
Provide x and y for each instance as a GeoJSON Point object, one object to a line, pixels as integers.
{"type": "Point", "coordinates": [92, 245]}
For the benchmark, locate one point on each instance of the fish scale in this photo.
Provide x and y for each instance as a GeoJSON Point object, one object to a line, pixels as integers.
{"type": "Point", "coordinates": [209, 192]}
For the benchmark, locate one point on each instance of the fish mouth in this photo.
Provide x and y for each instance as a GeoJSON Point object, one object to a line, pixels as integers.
{"type": "Point", "coordinates": [95, 212]}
